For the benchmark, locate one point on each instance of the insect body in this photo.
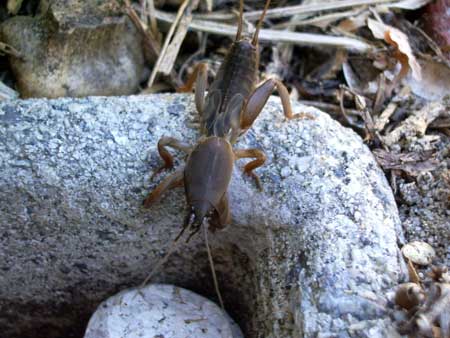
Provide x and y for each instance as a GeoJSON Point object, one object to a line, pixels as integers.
{"type": "Point", "coordinates": [233, 103]}
{"type": "Point", "coordinates": [234, 98]}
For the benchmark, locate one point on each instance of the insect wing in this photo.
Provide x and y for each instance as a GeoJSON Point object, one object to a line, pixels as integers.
{"type": "Point", "coordinates": [212, 106]}
{"type": "Point", "coordinates": [208, 172]}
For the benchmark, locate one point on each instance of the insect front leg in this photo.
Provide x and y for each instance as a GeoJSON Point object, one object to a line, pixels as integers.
{"type": "Point", "coordinates": [222, 216]}
{"type": "Point", "coordinates": [172, 181]}
{"type": "Point", "coordinates": [258, 99]}
{"type": "Point", "coordinates": [200, 78]}
{"type": "Point", "coordinates": [171, 142]}
{"type": "Point", "coordinates": [259, 159]}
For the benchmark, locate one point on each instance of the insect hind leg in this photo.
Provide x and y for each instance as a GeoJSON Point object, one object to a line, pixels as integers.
{"type": "Point", "coordinates": [200, 78]}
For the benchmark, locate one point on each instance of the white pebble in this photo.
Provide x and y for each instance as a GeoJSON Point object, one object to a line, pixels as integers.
{"type": "Point", "coordinates": [160, 311]}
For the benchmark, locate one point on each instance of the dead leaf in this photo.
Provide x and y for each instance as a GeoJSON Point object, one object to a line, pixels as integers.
{"type": "Point", "coordinates": [435, 82]}
{"type": "Point", "coordinates": [411, 163]}
{"type": "Point", "coordinates": [399, 41]}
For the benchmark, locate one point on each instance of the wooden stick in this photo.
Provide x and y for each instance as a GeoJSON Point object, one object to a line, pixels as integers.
{"type": "Point", "coordinates": [306, 39]}
{"type": "Point", "coordinates": [151, 43]}
{"type": "Point", "coordinates": [175, 21]}
{"type": "Point", "coordinates": [297, 9]}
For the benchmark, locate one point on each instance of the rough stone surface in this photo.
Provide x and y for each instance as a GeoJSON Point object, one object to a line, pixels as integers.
{"type": "Point", "coordinates": [75, 48]}
{"type": "Point", "coordinates": [425, 201]}
{"type": "Point", "coordinates": [160, 310]}
{"type": "Point", "coordinates": [313, 255]}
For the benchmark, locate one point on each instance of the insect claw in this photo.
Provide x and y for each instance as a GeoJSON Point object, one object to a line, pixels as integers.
{"type": "Point", "coordinates": [257, 180]}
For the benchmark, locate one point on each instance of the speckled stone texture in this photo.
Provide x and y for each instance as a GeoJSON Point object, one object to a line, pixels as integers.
{"type": "Point", "coordinates": [160, 310]}
{"type": "Point", "coordinates": [75, 48]}
{"type": "Point", "coordinates": [315, 254]}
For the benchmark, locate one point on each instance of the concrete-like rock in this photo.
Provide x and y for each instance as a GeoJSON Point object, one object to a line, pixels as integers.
{"type": "Point", "coordinates": [313, 255]}
{"type": "Point", "coordinates": [160, 311]}
{"type": "Point", "coordinates": [75, 48]}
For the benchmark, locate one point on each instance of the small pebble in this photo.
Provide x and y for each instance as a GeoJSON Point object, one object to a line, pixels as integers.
{"type": "Point", "coordinates": [419, 252]}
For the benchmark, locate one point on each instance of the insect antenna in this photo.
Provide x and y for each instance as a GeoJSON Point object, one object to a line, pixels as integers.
{"type": "Point", "coordinates": [241, 20]}
{"type": "Point", "coordinates": [211, 264]}
{"type": "Point", "coordinates": [258, 26]}
{"type": "Point", "coordinates": [163, 260]}
{"type": "Point", "coordinates": [171, 250]}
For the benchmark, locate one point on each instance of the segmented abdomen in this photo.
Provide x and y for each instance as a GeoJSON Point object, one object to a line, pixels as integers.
{"type": "Point", "coordinates": [234, 82]}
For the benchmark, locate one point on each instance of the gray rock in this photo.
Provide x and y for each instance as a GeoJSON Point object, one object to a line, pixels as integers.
{"type": "Point", "coordinates": [315, 254]}
{"type": "Point", "coordinates": [7, 93]}
{"type": "Point", "coordinates": [75, 48]}
{"type": "Point", "coordinates": [160, 310]}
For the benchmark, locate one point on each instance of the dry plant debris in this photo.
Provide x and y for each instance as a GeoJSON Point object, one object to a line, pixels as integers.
{"type": "Point", "coordinates": [435, 82]}
{"type": "Point", "coordinates": [151, 43]}
{"type": "Point", "coordinates": [402, 53]}
{"type": "Point", "coordinates": [417, 123]}
{"type": "Point", "coordinates": [173, 40]}
{"type": "Point", "coordinates": [412, 163]}
{"type": "Point", "coordinates": [426, 309]}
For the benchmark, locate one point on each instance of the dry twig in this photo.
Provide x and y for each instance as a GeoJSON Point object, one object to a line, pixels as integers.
{"type": "Point", "coordinates": [417, 123]}
{"type": "Point", "coordinates": [170, 49]}
{"type": "Point", "coordinates": [305, 39]}
{"type": "Point", "coordinates": [294, 10]}
{"type": "Point", "coordinates": [151, 44]}
{"type": "Point", "coordinates": [412, 163]}
{"type": "Point", "coordinates": [383, 118]}
{"type": "Point", "coordinates": [320, 20]}
{"type": "Point", "coordinates": [148, 11]}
